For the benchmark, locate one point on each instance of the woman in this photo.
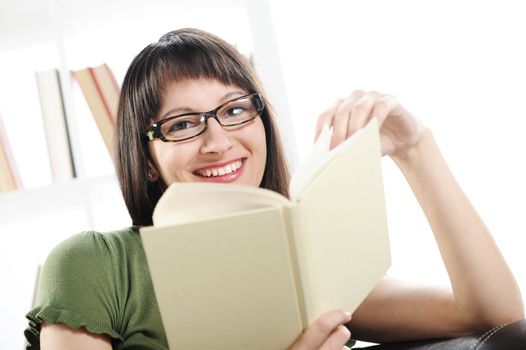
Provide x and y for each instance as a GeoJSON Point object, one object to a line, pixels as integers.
{"type": "Point", "coordinates": [96, 291]}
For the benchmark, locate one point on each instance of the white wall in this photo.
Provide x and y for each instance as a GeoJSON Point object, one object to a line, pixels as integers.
{"type": "Point", "coordinates": [459, 66]}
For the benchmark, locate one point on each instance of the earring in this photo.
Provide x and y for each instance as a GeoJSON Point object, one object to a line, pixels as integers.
{"type": "Point", "coordinates": [149, 174]}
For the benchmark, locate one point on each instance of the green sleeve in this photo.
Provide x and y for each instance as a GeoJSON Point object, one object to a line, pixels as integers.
{"type": "Point", "coordinates": [77, 287]}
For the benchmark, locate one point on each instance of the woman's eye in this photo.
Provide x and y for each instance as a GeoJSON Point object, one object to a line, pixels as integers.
{"type": "Point", "coordinates": [182, 125]}
{"type": "Point", "coordinates": [235, 111]}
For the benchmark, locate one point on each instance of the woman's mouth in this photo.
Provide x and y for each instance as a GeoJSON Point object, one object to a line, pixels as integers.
{"type": "Point", "coordinates": [225, 173]}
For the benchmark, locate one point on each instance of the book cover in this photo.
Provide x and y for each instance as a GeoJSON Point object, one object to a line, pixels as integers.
{"type": "Point", "coordinates": [238, 267]}
{"type": "Point", "coordinates": [55, 125]}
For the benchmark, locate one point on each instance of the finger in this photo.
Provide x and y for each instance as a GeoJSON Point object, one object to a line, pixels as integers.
{"type": "Point", "coordinates": [361, 112]}
{"type": "Point", "coordinates": [337, 339]}
{"type": "Point", "coordinates": [340, 121]}
{"type": "Point", "coordinates": [318, 332]}
{"type": "Point", "coordinates": [342, 116]}
{"type": "Point", "coordinates": [385, 106]}
{"type": "Point", "coordinates": [326, 117]}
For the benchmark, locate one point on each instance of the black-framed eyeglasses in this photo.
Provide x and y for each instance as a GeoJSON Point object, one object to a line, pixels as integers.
{"type": "Point", "coordinates": [235, 112]}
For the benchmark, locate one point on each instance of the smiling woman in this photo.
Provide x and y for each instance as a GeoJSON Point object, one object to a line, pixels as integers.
{"type": "Point", "coordinates": [96, 291]}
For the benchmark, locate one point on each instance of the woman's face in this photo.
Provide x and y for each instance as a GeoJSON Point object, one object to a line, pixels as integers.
{"type": "Point", "coordinates": [230, 156]}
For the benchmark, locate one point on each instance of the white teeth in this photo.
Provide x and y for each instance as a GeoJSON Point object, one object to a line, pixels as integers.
{"type": "Point", "coordinates": [227, 169]}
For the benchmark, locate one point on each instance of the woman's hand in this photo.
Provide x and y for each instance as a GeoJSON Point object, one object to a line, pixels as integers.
{"type": "Point", "coordinates": [399, 130]}
{"type": "Point", "coordinates": [326, 333]}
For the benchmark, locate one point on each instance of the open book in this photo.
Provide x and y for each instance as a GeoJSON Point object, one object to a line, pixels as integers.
{"type": "Point", "coordinates": [236, 267]}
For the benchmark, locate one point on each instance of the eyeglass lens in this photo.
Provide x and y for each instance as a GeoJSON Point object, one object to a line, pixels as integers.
{"type": "Point", "coordinates": [233, 113]}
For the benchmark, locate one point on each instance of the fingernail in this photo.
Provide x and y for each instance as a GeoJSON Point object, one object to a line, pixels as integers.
{"type": "Point", "coordinates": [348, 314]}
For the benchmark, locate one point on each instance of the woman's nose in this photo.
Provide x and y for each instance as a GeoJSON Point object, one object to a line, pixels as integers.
{"type": "Point", "coordinates": [215, 139]}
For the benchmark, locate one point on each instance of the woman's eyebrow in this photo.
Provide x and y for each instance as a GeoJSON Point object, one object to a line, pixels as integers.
{"type": "Point", "coordinates": [186, 109]}
{"type": "Point", "coordinates": [177, 110]}
{"type": "Point", "coordinates": [232, 94]}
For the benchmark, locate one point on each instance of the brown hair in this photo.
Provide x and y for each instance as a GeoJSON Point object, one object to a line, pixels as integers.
{"type": "Point", "coordinates": [178, 55]}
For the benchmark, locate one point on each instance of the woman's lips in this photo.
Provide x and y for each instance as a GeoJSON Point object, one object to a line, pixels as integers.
{"type": "Point", "coordinates": [226, 173]}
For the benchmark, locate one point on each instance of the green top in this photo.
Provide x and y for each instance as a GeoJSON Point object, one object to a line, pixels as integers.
{"type": "Point", "coordinates": [100, 282]}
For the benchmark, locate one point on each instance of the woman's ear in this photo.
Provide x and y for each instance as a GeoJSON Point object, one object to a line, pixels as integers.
{"type": "Point", "coordinates": [152, 174]}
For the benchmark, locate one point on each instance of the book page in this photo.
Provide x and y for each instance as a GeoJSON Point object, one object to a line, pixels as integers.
{"type": "Point", "coordinates": [311, 163]}
{"type": "Point", "coordinates": [343, 246]}
{"type": "Point", "coordinates": [188, 202]}
{"type": "Point", "coordinates": [319, 157]}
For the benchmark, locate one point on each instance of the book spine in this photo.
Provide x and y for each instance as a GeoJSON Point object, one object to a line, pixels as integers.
{"type": "Point", "coordinates": [299, 259]}
{"type": "Point", "coordinates": [100, 92]}
{"type": "Point", "coordinates": [99, 110]}
{"type": "Point", "coordinates": [55, 125]}
{"type": "Point", "coordinates": [109, 89]}
{"type": "Point", "coordinates": [6, 180]}
{"type": "Point", "coordinates": [68, 143]}
{"type": "Point", "coordinates": [9, 177]}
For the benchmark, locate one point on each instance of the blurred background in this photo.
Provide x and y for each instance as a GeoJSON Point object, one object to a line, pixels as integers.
{"type": "Point", "coordinates": [457, 66]}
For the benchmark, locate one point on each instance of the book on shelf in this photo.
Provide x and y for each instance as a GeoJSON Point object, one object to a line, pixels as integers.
{"type": "Point", "coordinates": [101, 90]}
{"type": "Point", "coordinates": [55, 125]}
{"type": "Point", "coordinates": [9, 176]}
{"type": "Point", "coordinates": [237, 267]}
{"type": "Point", "coordinates": [109, 89]}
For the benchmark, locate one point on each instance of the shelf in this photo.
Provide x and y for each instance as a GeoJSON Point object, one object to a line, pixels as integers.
{"type": "Point", "coordinates": [77, 193]}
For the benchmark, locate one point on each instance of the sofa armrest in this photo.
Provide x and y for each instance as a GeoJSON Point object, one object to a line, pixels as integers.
{"type": "Point", "coordinates": [511, 336]}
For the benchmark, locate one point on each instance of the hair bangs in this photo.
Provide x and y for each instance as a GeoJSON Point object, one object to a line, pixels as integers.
{"type": "Point", "coordinates": [202, 61]}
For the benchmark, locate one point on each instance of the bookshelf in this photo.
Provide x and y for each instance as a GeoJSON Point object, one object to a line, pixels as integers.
{"type": "Point", "coordinates": [71, 35]}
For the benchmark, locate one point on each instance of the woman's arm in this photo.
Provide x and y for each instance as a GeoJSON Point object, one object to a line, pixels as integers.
{"type": "Point", "coordinates": [326, 333]}
{"type": "Point", "coordinates": [484, 291]}
{"type": "Point", "coordinates": [62, 337]}
{"type": "Point", "coordinates": [483, 285]}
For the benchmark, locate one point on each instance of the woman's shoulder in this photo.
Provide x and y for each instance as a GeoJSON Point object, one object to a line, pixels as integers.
{"type": "Point", "coordinates": [96, 246]}
{"type": "Point", "coordinates": [101, 258]}
{"type": "Point", "coordinates": [93, 239]}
